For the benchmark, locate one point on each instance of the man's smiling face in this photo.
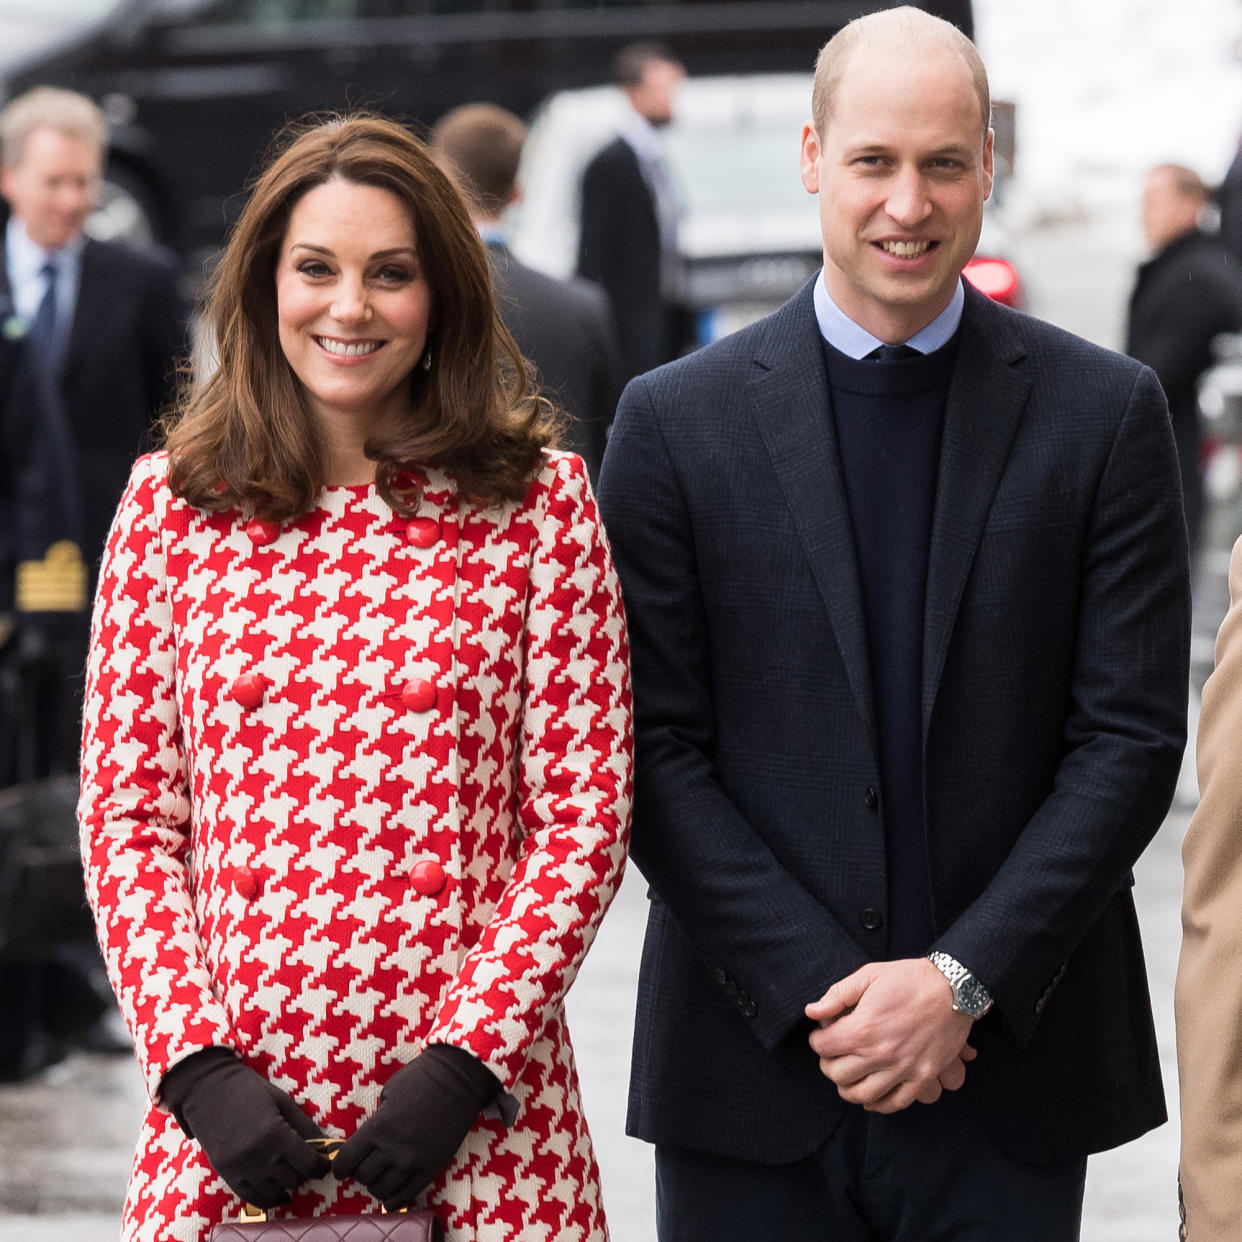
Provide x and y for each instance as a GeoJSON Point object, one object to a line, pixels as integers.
{"type": "Point", "coordinates": [902, 173]}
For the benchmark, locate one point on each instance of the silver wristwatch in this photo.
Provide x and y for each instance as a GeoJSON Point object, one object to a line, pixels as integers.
{"type": "Point", "coordinates": [969, 995]}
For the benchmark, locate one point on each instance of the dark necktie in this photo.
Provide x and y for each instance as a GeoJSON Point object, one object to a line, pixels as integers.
{"type": "Point", "coordinates": [892, 353]}
{"type": "Point", "coordinates": [43, 330]}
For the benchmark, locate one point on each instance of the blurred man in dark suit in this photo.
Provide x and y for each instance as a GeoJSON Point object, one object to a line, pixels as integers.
{"type": "Point", "coordinates": [1185, 295]}
{"type": "Point", "coordinates": [905, 574]}
{"type": "Point", "coordinates": [630, 206]}
{"type": "Point", "coordinates": [90, 334]}
{"type": "Point", "coordinates": [564, 327]}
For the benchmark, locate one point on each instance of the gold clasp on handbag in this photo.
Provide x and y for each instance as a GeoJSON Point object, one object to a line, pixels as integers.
{"type": "Point", "coordinates": [329, 1147]}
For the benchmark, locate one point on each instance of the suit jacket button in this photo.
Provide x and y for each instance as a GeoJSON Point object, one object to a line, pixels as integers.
{"type": "Point", "coordinates": [427, 877]}
{"type": "Point", "coordinates": [720, 976]}
{"type": "Point", "coordinates": [419, 694]}
{"type": "Point", "coordinates": [262, 533]}
{"type": "Point", "coordinates": [749, 1008]}
{"type": "Point", "coordinates": [422, 532]}
{"type": "Point", "coordinates": [872, 920]}
{"type": "Point", "coordinates": [245, 883]}
{"type": "Point", "coordinates": [871, 799]}
{"type": "Point", "coordinates": [248, 690]}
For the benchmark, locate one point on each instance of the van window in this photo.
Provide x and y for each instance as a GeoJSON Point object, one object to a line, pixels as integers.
{"type": "Point", "coordinates": [281, 12]}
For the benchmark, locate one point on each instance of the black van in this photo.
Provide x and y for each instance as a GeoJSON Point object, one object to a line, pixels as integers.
{"type": "Point", "coordinates": [195, 89]}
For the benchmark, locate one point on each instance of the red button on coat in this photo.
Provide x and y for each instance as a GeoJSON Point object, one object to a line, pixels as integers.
{"type": "Point", "coordinates": [419, 695]}
{"type": "Point", "coordinates": [245, 883]}
{"type": "Point", "coordinates": [262, 532]}
{"type": "Point", "coordinates": [422, 532]}
{"type": "Point", "coordinates": [248, 690]}
{"type": "Point", "coordinates": [427, 877]}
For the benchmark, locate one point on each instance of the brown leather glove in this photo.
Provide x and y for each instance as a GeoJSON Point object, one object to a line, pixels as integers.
{"type": "Point", "coordinates": [252, 1133]}
{"type": "Point", "coordinates": [426, 1110]}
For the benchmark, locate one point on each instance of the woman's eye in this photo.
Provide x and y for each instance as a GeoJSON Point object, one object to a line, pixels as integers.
{"type": "Point", "coordinates": [313, 268]}
{"type": "Point", "coordinates": [393, 275]}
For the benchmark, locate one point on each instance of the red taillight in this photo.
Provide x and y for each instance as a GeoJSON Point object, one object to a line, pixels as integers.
{"type": "Point", "coordinates": [996, 278]}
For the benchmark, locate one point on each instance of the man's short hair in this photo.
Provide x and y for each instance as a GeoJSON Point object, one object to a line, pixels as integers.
{"type": "Point", "coordinates": [49, 107]}
{"type": "Point", "coordinates": [630, 63]}
{"type": "Point", "coordinates": [1185, 181]}
{"type": "Point", "coordinates": [903, 27]}
{"type": "Point", "coordinates": [482, 144]}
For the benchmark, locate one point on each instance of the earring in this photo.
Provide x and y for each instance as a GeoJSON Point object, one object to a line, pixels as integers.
{"type": "Point", "coordinates": [427, 359]}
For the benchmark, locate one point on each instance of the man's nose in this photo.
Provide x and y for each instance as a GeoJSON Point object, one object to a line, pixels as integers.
{"type": "Point", "coordinates": [73, 198]}
{"type": "Point", "coordinates": [908, 200]}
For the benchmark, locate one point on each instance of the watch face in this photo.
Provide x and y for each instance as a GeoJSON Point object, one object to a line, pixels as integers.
{"type": "Point", "coordinates": [972, 997]}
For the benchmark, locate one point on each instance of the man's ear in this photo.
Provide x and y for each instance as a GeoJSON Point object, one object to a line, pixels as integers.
{"type": "Point", "coordinates": [810, 159]}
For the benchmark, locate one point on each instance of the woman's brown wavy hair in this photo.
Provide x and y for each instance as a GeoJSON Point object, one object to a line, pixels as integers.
{"type": "Point", "coordinates": [246, 436]}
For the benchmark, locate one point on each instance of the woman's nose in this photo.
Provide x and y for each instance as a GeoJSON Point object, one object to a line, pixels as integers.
{"type": "Point", "coordinates": [350, 304]}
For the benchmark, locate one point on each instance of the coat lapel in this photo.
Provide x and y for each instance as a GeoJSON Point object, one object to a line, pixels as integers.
{"type": "Point", "coordinates": [789, 401]}
{"type": "Point", "coordinates": [985, 404]}
{"type": "Point", "coordinates": [91, 307]}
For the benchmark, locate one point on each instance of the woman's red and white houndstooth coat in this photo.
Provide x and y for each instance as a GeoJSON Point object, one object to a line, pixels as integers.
{"type": "Point", "coordinates": [352, 786]}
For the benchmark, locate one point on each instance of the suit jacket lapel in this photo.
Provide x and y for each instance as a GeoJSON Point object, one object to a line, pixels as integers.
{"type": "Point", "coordinates": [790, 404]}
{"type": "Point", "coordinates": [90, 308]}
{"type": "Point", "coordinates": [986, 399]}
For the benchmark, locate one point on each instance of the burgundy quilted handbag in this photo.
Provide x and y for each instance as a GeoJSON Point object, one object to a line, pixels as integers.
{"type": "Point", "coordinates": [392, 1227]}
{"type": "Point", "coordinates": [254, 1226]}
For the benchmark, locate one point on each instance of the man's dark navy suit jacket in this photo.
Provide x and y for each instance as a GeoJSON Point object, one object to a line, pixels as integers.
{"type": "Point", "coordinates": [1053, 713]}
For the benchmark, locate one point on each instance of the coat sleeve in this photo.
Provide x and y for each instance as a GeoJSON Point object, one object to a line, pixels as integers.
{"type": "Point", "coordinates": [597, 223]}
{"type": "Point", "coordinates": [1177, 338]}
{"type": "Point", "coordinates": [574, 789]}
{"type": "Point", "coordinates": [757, 929]}
{"type": "Point", "coordinates": [1124, 732]}
{"type": "Point", "coordinates": [134, 811]}
{"type": "Point", "coordinates": [1208, 998]}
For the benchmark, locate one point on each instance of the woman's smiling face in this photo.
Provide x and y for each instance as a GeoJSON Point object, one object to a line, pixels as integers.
{"type": "Point", "coordinates": [353, 304]}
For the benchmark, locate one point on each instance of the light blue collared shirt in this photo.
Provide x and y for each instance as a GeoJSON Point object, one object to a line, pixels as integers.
{"type": "Point", "coordinates": [842, 333]}
{"type": "Point", "coordinates": [27, 283]}
{"type": "Point", "coordinates": [493, 232]}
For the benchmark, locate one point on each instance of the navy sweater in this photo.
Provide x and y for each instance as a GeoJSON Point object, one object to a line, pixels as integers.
{"type": "Point", "coordinates": [889, 418]}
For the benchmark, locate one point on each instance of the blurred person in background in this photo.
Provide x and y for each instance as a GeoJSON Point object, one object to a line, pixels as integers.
{"type": "Point", "coordinates": [1185, 295]}
{"type": "Point", "coordinates": [564, 327]}
{"type": "Point", "coordinates": [629, 212]}
{"type": "Point", "coordinates": [356, 763]}
{"type": "Point", "coordinates": [90, 336]}
{"type": "Point", "coordinates": [906, 577]}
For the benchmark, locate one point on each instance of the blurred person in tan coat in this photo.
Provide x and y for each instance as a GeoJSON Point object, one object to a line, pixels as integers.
{"type": "Point", "coordinates": [1209, 977]}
